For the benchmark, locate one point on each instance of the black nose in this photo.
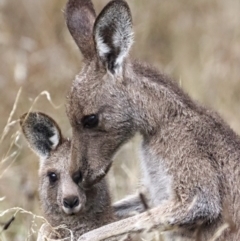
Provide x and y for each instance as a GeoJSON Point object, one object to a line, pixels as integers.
{"type": "Point", "coordinates": [70, 202]}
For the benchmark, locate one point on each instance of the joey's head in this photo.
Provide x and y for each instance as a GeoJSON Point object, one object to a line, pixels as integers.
{"type": "Point", "coordinates": [99, 108]}
{"type": "Point", "coordinates": [59, 189]}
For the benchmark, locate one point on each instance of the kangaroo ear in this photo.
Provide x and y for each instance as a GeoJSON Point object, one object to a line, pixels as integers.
{"type": "Point", "coordinates": [113, 35]}
{"type": "Point", "coordinates": [80, 17]}
{"type": "Point", "coordinates": [41, 132]}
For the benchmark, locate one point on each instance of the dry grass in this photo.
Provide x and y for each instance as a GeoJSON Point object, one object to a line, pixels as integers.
{"type": "Point", "coordinates": [197, 42]}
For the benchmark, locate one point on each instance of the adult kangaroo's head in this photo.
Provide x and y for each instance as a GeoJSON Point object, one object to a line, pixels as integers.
{"type": "Point", "coordinates": [98, 106]}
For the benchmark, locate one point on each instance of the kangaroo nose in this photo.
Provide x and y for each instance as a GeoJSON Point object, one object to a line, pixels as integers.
{"type": "Point", "coordinates": [71, 202]}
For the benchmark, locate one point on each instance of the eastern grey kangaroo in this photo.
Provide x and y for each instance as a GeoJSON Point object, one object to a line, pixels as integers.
{"type": "Point", "coordinates": [63, 200]}
{"type": "Point", "coordinates": [190, 157]}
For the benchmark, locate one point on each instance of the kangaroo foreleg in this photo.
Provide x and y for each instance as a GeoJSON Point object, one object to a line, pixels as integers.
{"type": "Point", "coordinates": [129, 206]}
{"type": "Point", "coordinates": [165, 217]}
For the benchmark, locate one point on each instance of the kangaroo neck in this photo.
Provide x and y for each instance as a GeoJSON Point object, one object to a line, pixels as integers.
{"type": "Point", "coordinates": [156, 100]}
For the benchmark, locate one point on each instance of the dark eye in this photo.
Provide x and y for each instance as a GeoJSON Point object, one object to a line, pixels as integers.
{"type": "Point", "coordinates": [52, 177]}
{"type": "Point", "coordinates": [77, 177]}
{"type": "Point", "coordinates": [90, 121]}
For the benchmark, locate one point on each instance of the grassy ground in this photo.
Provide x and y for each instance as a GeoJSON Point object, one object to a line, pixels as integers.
{"type": "Point", "coordinates": [196, 42]}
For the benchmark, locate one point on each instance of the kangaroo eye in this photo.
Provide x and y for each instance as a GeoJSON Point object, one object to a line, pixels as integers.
{"type": "Point", "coordinates": [52, 177]}
{"type": "Point", "coordinates": [90, 121]}
{"type": "Point", "coordinates": [77, 177]}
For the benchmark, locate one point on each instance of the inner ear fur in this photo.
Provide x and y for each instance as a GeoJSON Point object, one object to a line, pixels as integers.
{"type": "Point", "coordinates": [41, 132]}
{"type": "Point", "coordinates": [113, 34]}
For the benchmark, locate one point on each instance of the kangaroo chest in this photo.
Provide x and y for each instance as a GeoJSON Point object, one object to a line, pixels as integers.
{"type": "Point", "coordinates": [155, 178]}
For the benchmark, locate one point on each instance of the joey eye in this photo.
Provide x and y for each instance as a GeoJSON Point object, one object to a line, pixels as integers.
{"type": "Point", "coordinates": [90, 121]}
{"type": "Point", "coordinates": [77, 177]}
{"type": "Point", "coordinates": [52, 177]}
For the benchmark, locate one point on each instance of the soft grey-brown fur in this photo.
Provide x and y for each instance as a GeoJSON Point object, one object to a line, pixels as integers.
{"type": "Point", "coordinates": [189, 155]}
{"type": "Point", "coordinates": [94, 209]}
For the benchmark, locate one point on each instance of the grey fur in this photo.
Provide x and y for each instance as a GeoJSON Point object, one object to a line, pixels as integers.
{"type": "Point", "coordinates": [94, 209]}
{"type": "Point", "coordinates": [190, 156]}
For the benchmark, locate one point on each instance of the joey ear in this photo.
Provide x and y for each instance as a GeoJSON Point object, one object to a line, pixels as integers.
{"type": "Point", "coordinates": [41, 132]}
{"type": "Point", "coordinates": [113, 34]}
{"type": "Point", "coordinates": [80, 17]}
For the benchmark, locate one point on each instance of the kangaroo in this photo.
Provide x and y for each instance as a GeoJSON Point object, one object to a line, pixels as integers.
{"type": "Point", "coordinates": [190, 158]}
{"type": "Point", "coordinates": [63, 199]}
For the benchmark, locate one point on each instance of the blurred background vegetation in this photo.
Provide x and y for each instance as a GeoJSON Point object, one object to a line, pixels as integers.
{"type": "Point", "coordinates": [196, 42]}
